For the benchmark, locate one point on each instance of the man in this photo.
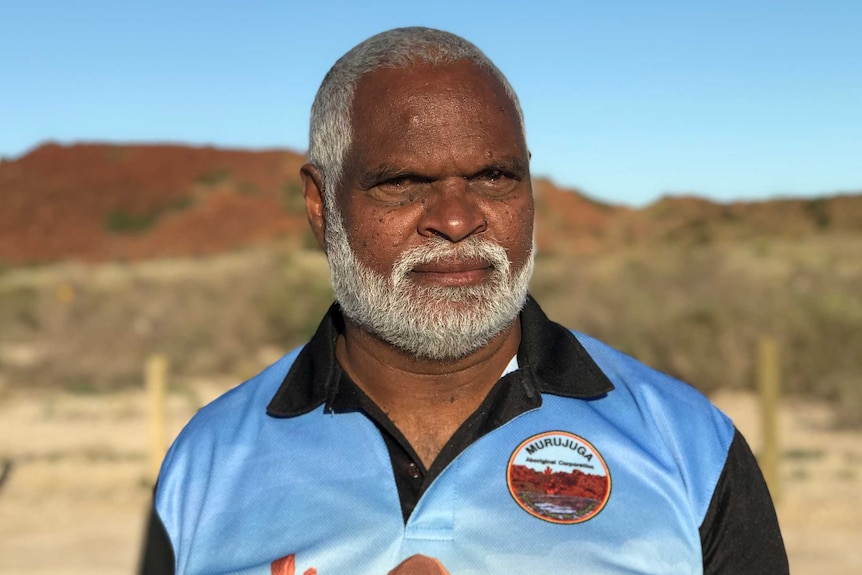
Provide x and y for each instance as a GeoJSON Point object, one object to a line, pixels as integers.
{"type": "Point", "coordinates": [438, 421]}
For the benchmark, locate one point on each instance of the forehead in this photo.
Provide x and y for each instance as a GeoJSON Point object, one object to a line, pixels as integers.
{"type": "Point", "coordinates": [424, 105]}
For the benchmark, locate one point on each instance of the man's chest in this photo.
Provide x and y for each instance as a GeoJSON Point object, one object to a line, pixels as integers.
{"type": "Point", "coordinates": [552, 491]}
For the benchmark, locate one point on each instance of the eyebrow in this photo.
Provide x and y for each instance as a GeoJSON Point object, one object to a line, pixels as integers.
{"type": "Point", "coordinates": [507, 164]}
{"type": "Point", "coordinates": [373, 176]}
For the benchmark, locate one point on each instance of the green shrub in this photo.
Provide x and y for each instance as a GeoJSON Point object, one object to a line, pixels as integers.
{"type": "Point", "coordinates": [122, 222]}
{"type": "Point", "coordinates": [248, 189]}
{"type": "Point", "coordinates": [818, 209]}
{"type": "Point", "coordinates": [292, 198]}
{"type": "Point", "coordinates": [214, 177]}
{"type": "Point", "coordinates": [181, 204]}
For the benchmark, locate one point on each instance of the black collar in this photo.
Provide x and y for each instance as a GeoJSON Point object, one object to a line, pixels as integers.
{"type": "Point", "coordinates": [554, 361]}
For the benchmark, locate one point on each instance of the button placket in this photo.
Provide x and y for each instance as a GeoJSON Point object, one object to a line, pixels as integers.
{"type": "Point", "coordinates": [413, 471]}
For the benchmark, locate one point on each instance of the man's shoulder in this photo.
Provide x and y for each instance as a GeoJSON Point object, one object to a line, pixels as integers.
{"type": "Point", "coordinates": [675, 410]}
{"type": "Point", "coordinates": [677, 422]}
{"type": "Point", "coordinates": [240, 406]}
{"type": "Point", "coordinates": [210, 441]}
{"type": "Point", "coordinates": [634, 376]}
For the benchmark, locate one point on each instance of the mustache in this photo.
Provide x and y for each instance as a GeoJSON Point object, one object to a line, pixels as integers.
{"type": "Point", "coordinates": [438, 250]}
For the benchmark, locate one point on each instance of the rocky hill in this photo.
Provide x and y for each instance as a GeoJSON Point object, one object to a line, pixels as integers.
{"type": "Point", "coordinates": [98, 202]}
{"type": "Point", "coordinates": [104, 202]}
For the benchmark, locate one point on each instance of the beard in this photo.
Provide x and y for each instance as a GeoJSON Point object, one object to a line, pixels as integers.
{"type": "Point", "coordinates": [430, 322]}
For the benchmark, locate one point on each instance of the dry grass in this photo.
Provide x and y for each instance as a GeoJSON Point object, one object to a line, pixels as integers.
{"type": "Point", "coordinates": [694, 311]}
{"type": "Point", "coordinates": [90, 328]}
{"type": "Point", "coordinates": [698, 312]}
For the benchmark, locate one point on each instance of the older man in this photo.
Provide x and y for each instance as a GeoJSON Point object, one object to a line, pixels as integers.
{"type": "Point", "coordinates": [438, 420]}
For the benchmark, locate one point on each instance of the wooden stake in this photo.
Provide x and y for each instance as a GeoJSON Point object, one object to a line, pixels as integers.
{"type": "Point", "coordinates": [768, 384]}
{"type": "Point", "coordinates": [156, 381]}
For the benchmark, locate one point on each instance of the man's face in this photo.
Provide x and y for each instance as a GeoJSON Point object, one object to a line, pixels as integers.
{"type": "Point", "coordinates": [432, 251]}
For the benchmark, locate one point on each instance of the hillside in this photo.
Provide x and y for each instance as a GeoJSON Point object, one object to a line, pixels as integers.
{"type": "Point", "coordinates": [100, 202]}
{"type": "Point", "coordinates": [104, 202]}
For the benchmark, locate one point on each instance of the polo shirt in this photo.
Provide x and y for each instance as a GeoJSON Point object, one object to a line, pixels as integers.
{"type": "Point", "coordinates": [580, 460]}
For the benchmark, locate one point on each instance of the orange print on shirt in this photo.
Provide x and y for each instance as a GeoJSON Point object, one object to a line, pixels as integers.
{"type": "Point", "coordinates": [287, 566]}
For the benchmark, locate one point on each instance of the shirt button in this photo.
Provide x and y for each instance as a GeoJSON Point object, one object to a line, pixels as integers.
{"type": "Point", "coordinates": [413, 471]}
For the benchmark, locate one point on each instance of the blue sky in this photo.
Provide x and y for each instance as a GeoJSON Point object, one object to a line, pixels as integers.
{"type": "Point", "coordinates": [626, 100]}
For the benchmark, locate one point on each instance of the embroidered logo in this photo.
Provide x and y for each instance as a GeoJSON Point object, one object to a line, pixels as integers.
{"type": "Point", "coordinates": [559, 477]}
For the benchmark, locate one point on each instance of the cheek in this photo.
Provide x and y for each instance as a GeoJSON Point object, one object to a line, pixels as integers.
{"type": "Point", "coordinates": [516, 229]}
{"type": "Point", "coordinates": [379, 237]}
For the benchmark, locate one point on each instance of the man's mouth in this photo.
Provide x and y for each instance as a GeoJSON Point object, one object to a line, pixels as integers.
{"type": "Point", "coordinates": [453, 273]}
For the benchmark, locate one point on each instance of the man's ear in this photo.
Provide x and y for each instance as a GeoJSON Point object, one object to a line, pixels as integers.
{"type": "Point", "coordinates": [312, 189]}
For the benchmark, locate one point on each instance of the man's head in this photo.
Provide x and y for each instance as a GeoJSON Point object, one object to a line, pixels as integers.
{"type": "Point", "coordinates": [418, 186]}
{"type": "Point", "coordinates": [330, 133]}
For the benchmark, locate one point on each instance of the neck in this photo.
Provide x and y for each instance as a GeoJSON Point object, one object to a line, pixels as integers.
{"type": "Point", "coordinates": [426, 399]}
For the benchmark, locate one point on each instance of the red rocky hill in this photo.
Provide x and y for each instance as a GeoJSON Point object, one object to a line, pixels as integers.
{"type": "Point", "coordinates": [98, 202]}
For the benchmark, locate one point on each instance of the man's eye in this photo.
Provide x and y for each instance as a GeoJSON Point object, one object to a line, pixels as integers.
{"type": "Point", "coordinates": [494, 182]}
{"type": "Point", "coordinates": [399, 189]}
{"type": "Point", "coordinates": [497, 175]}
{"type": "Point", "coordinates": [399, 182]}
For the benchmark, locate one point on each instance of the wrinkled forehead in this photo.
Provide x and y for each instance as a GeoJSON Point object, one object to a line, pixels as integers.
{"type": "Point", "coordinates": [401, 95]}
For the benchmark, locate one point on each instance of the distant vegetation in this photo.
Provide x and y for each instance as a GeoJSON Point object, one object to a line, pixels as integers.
{"type": "Point", "coordinates": [699, 312]}
{"type": "Point", "coordinates": [694, 312]}
{"type": "Point", "coordinates": [214, 177]}
{"type": "Point", "coordinates": [122, 222]}
{"type": "Point", "coordinates": [292, 197]}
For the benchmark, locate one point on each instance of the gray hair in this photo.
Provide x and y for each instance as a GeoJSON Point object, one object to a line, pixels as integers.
{"type": "Point", "coordinates": [330, 133]}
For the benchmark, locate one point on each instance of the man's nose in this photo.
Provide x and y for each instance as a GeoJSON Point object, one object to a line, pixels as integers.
{"type": "Point", "coordinates": [452, 211]}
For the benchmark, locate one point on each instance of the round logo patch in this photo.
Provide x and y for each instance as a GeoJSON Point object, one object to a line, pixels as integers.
{"type": "Point", "coordinates": [559, 477]}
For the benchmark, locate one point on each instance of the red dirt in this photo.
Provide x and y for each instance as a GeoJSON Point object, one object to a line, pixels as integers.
{"type": "Point", "coordinates": [91, 201]}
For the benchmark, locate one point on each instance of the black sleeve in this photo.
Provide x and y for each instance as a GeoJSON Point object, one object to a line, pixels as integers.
{"type": "Point", "coordinates": [740, 533]}
{"type": "Point", "coordinates": [157, 556]}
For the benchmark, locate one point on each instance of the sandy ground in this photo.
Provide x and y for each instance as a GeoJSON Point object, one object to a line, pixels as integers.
{"type": "Point", "coordinates": [75, 496]}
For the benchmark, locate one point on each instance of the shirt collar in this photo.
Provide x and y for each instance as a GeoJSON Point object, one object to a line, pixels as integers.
{"type": "Point", "coordinates": [550, 355]}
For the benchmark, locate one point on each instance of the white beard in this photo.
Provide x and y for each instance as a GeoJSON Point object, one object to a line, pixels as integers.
{"type": "Point", "coordinates": [430, 322]}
